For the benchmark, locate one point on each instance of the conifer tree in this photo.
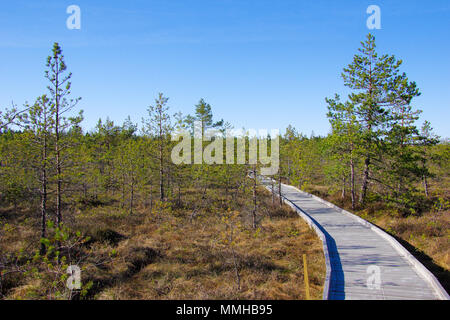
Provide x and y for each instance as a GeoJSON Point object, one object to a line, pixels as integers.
{"type": "Point", "coordinates": [428, 139]}
{"type": "Point", "coordinates": [158, 126]}
{"type": "Point", "coordinates": [377, 88]}
{"type": "Point", "coordinates": [60, 90]}
{"type": "Point", "coordinates": [203, 115]}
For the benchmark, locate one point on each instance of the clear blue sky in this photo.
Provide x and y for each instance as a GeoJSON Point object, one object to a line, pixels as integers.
{"type": "Point", "coordinates": [260, 64]}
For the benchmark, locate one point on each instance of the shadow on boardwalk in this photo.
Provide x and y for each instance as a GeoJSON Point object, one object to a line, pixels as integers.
{"type": "Point", "coordinates": [337, 279]}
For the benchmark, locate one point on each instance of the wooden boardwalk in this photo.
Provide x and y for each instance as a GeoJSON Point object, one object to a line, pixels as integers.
{"type": "Point", "coordinates": [357, 250]}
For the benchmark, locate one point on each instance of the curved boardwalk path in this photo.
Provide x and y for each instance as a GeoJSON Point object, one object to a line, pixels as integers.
{"type": "Point", "coordinates": [353, 245]}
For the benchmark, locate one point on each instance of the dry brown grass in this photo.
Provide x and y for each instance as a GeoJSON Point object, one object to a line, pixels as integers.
{"type": "Point", "coordinates": [192, 263]}
{"type": "Point", "coordinates": [165, 255]}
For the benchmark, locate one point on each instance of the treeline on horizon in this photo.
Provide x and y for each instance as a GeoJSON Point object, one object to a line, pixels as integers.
{"type": "Point", "coordinates": [375, 151]}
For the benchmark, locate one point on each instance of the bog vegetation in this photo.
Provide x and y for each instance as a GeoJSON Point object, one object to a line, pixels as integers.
{"type": "Point", "coordinates": [111, 201]}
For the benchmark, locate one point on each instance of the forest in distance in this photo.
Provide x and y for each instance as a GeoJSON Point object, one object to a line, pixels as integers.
{"type": "Point", "coordinates": [111, 201]}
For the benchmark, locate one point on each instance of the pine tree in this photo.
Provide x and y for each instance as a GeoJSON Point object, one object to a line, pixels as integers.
{"type": "Point", "coordinates": [376, 87]}
{"type": "Point", "coordinates": [130, 166]}
{"type": "Point", "coordinates": [59, 89]}
{"type": "Point", "coordinates": [203, 115]}
{"type": "Point", "coordinates": [427, 140]}
{"type": "Point", "coordinates": [158, 125]}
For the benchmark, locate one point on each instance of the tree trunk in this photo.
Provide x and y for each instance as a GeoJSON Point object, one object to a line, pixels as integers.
{"type": "Point", "coordinates": [132, 196]}
{"type": "Point", "coordinates": [123, 192]}
{"type": "Point", "coordinates": [151, 198]}
{"type": "Point", "coordinates": [365, 182]}
{"type": "Point", "coordinates": [169, 191]}
{"type": "Point", "coordinates": [343, 189]}
{"type": "Point", "coordinates": [161, 175]}
{"type": "Point", "coordinates": [161, 168]}
{"type": "Point", "coordinates": [425, 185]}
{"type": "Point", "coordinates": [236, 270]}
{"type": "Point", "coordinates": [279, 190]}
{"type": "Point", "coordinates": [58, 158]}
{"type": "Point", "coordinates": [44, 197]}
{"type": "Point", "coordinates": [289, 172]}
{"type": "Point", "coordinates": [352, 182]}
{"type": "Point", "coordinates": [254, 198]}
{"type": "Point", "coordinates": [58, 155]}
{"type": "Point", "coordinates": [273, 192]}
{"type": "Point", "coordinates": [235, 261]}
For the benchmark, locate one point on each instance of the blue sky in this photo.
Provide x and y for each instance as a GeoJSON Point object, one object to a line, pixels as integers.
{"type": "Point", "coordinates": [260, 64]}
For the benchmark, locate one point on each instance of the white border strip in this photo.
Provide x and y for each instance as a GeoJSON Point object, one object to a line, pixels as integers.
{"type": "Point", "coordinates": [419, 268]}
